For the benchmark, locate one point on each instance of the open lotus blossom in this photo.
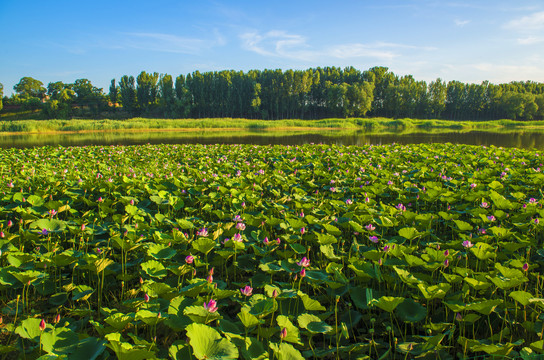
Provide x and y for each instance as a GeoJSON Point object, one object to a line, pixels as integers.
{"type": "Point", "coordinates": [484, 205]}
{"type": "Point", "coordinates": [473, 185]}
{"type": "Point", "coordinates": [246, 290]}
{"type": "Point", "coordinates": [349, 202]}
{"type": "Point", "coordinates": [189, 259]}
{"type": "Point", "coordinates": [211, 306]}
{"type": "Point", "coordinates": [370, 227]}
{"type": "Point", "coordinates": [237, 218]}
{"type": "Point", "coordinates": [241, 226]}
{"type": "Point", "coordinates": [491, 218]}
{"type": "Point", "coordinates": [202, 232]}
{"type": "Point", "coordinates": [237, 237]}
{"type": "Point", "coordinates": [374, 239]}
{"type": "Point", "coordinates": [536, 221]}
{"type": "Point", "coordinates": [467, 244]}
{"type": "Point", "coordinates": [304, 262]}
{"type": "Point", "coordinates": [532, 201]}
{"type": "Point", "coordinates": [44, 232]}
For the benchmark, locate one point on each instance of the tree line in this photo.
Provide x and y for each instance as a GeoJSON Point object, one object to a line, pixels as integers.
{"type": "Point", "coordinates": [314, 93]}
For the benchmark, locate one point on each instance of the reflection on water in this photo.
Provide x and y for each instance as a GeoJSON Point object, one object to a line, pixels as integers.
{"type": "Point", "coordinates": [520, 139]}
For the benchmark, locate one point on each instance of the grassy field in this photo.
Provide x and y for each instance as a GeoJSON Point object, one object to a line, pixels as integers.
{"type": "Point", "coordinates": [140, 124]}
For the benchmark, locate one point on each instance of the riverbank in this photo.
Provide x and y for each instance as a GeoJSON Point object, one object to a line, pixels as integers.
{"type": "Point", "coordinates": [228, 124]}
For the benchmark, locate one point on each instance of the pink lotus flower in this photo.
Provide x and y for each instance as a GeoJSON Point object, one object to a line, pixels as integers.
{"type": "Point", "coordinates": [237, 237]}
{"type": "Point", "coordinates": [374, 239]}
{"type": "Point", "coordinates": [189, 259]}
{"type": "Point", "coordinates": [211, 306]}
{"type": "Point", "coordinates": [241, 226]}
{"type": "Point", "coordinates": [209, 279]}
{"type": "Point", "coordinates": [525, 267]}
{"type": "Point", "coordinates": [370, 227]}
{"type": "Point", "coordinates": [283, 333]}
{"type": "Point", "coordinates": [42, 325]}
{"type": "Point", "coordinates": [82, 227]}
{"type": "Point", "coordinates": [446, 263]}
{"type": "Point", "coordinates": [275, 293]}
{"type": "Point", "coordinates": [266, 241]}
{"type": "Point", "coordinates": [467, 244]}
{"type": "Point", "coordinates": [303, 272]}
{"type": "Point", "coordinates": [247, 290]}
{"type": "Point", "coordinates": [302, 231]}
{"type": "Point", "coordinates": [484, 205]}
{"type": "Point", "coordinates": [146, 298]}
{"type": "Point", "coordinates": [304, 262]}
{"type": "Point", "coordinates": [10, 223]}
{"type": "Point", "coordinates": [202, 232]}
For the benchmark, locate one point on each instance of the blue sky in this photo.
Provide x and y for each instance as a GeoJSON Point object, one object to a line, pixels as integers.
{"type": "Point", "coordinates": [469, 41]}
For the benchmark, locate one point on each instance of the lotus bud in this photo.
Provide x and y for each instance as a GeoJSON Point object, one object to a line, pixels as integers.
{"type": "Point", "coordinates": [283, 333]}
{"type": "Point", "coordinates": [42, 325]}
{"type": "Point", "coordinates": [57, 319]}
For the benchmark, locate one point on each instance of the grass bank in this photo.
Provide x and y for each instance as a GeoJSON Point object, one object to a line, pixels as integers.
{"type": "Point", "coordinates": [139, 124]}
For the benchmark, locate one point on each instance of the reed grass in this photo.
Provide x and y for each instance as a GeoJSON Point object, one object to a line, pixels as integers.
{"type": "Point", "coordinates": [367, 124]}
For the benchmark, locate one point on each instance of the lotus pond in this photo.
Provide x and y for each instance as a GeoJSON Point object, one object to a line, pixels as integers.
{"type": "Point", "coordinates": [271, 252]}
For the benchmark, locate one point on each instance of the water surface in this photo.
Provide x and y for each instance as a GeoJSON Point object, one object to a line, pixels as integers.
{"type": "Point", "coordinates": [520, 139]}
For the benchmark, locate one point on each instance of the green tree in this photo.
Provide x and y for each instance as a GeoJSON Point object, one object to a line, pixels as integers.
{"type": "Point", "coordinates": [127, 94]}
{"type": "Point", "coordinates": [29, 87]}
{"type": "Point", "coordinates": [167, 101]}
{"type": "Point", "coordinates": [147, 90]}
{"type": "Point", "coordinates": [437, 99]}
{"type": "Point", "coordinates": [114, 92]}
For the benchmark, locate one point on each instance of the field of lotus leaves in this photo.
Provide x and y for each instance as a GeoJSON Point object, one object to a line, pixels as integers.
{"type": "Point", "coordinates": [271, 252]}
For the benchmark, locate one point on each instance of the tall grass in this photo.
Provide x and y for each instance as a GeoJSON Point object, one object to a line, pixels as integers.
{"type": "Point", "coordinates": [366, 124]}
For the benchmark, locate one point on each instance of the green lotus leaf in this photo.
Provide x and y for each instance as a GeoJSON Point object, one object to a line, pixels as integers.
{"type": "Point", "coordinates": [387, 303]}
{"type": "Point", "coordinates": [409, 233]}
{"type": "Point", "coordinates": [203, 245]}
{"type": "Point", "coordinates": [58, 339]}
{"type": "Point", "coordinates": [119, 320]}
{"type": "Point", "coordinates": [154, 269]}
{"type": "Point", "coordinates": [292, 331]}
{"type": "Point", "coordinates": [485, 307]}
{"type": "Point", "coordinates": [411, 311]}
{"type": "Point", "coordinates": [309, 303]}
{"type": "Point", "coordinates": [248, 320]}
{"type": "Point", "coordinates": [285, 351]}
{"type": "Point", "coordinates": [521, 296]}
{"type": "Point", "coordinates": [207, 343]}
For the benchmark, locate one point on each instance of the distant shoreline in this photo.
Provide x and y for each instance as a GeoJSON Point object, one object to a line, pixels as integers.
{"type": "Point", "coordinates": [21, 127]}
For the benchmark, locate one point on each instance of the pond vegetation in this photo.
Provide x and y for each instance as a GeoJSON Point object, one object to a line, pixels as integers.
{"type": "Point", "coordinates": [271, 252]}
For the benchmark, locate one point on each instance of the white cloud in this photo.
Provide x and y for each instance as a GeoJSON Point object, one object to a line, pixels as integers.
{"type": "Point", "coordinates": [530, 40]}
{"type": "Point", "coordinates": [166, 43]}
{"type": "Point", "coordinates": [461, 23]}
{"type": "Point", "coordinates": [284, 45]}
{"type": "Point", "coordinates": [277, 43]}
{"type": "Point", "coordinates": [527, 23]}
{"type": "Point", "coordinates": [347, 51]}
